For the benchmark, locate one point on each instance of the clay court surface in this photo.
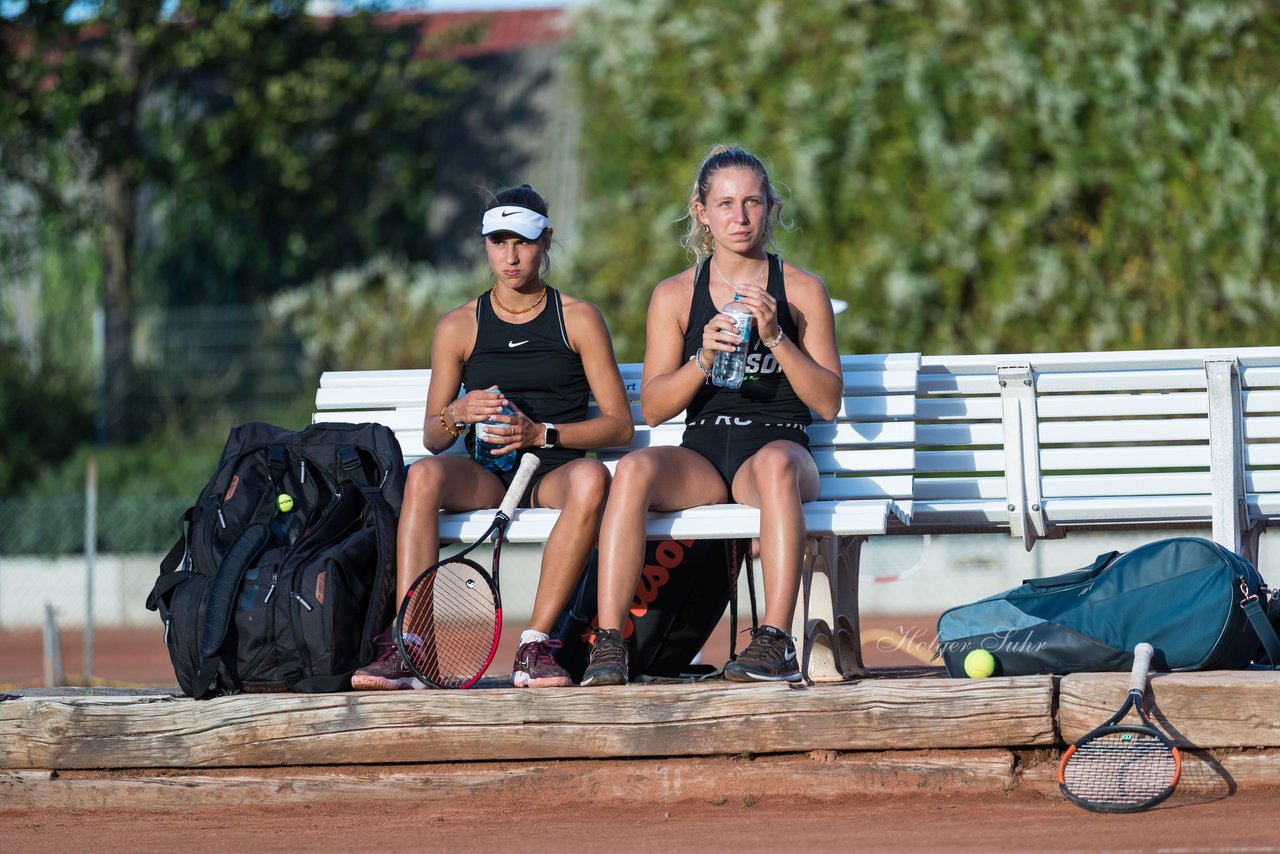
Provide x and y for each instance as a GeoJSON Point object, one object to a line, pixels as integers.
{"type": "Point", "coordinates": [1241, 823]}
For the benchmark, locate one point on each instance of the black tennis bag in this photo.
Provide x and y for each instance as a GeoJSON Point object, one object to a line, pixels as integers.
{"type": "Point", "coordinates": [285, 569]}
{"type": "Point", "coordinates": [1200, 605]}
{"type": "Point", "coordinates": [683, 592]}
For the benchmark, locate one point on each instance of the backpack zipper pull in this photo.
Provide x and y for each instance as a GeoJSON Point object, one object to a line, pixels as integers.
{"type": "Point", "coordinates": [302, 467]}
{"type": "Point", "coordinates": [303, 602]}
{"type": "Point", "coordinates": [166, 630]}
{"type": "Point", "coordinates": [221, 519]}
{"type": "Point", "coordinates": [271, 591]}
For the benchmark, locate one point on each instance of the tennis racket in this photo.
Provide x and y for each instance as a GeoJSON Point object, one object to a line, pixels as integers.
{"type": "Point", "coordinates": [1122, 767]}
{"type": "Point", "coordinates": [451, 618]}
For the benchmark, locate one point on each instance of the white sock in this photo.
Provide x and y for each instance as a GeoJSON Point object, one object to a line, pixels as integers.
{"type": "Point", "coordinates": [530, 636]}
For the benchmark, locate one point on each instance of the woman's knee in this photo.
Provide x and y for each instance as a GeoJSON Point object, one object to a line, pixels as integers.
{"type": "Point", "coordinates": [424, 482]}
{"type": "Point", "coordinates": [635, 476]}
{"type": "Point", "coordinates": [636, 467]}
{"type": "Point", "coordinates": [588, 484]}
{"type": "Point", "coordinates": [776, 463]}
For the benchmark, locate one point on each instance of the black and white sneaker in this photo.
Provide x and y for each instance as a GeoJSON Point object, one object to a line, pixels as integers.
{"type": "Point", "coordinates": [608, 665]}
{"type": "Point", "coordinates": [770, 657]}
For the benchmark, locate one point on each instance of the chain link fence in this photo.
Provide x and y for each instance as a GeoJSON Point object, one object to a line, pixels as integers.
{"type": "Point", "coordinates": [44, 560]}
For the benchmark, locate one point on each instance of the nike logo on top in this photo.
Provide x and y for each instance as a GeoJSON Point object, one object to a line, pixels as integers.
{"type": "Point", "coordinates": [517, 343]}
{"type": "Point", "coordinates": [506, 214]}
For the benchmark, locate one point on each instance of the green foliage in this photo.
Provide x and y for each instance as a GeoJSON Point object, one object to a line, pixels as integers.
{"type": "Point", "coordinates": [310, 154]}
{"type": "Point", "coordinates": [970, 176]}
{"type": "Point", "coordinates": [379, 315]}
{"type": "Point", "coordinates": [41, 415]}
{"type": "Point", "coordinates": [272, 145]}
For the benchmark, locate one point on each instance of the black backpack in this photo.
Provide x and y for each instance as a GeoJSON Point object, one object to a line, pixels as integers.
{"type": "Point", "coordinates": [285, 570]}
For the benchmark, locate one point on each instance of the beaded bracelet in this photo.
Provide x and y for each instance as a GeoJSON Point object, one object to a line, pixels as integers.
{"type": "Point", "coordinates": [774, 341]}
{"type": "Point", "coordinates": [456, 429]}
{"type": "Point", "coordinates": [696, 358]}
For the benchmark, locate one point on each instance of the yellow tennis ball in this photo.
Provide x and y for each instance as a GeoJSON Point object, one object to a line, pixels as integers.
{"type": "Point", "coordinates": [284, 502]}
{"type": "Point", "coordinates": [979, 664]}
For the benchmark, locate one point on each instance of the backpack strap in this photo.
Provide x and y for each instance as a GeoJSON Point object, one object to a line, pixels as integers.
{"type": "Point", "coordinates": [382, 602]}
{"type": "Point", "coordinates": [217, 619]}
{"type": "Point", "coordinates": [740, 555]}
{"type": "Point", "coordinates": [1262, 627]}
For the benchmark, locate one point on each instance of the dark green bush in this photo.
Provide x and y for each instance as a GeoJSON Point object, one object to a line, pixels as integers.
{"type": "Point", "coordinates": [977, 176]}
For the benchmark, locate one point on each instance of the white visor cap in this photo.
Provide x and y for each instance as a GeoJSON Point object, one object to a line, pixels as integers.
{"type": "Point", "coordinates": [522, 221]}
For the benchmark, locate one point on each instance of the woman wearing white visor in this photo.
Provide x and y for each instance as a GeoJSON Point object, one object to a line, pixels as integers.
{"type": "Point", "coordinates": [547, 353]}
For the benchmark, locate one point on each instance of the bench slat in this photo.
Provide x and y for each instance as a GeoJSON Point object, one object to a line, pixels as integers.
{"type": "Point", "coordinates": [713, 521]}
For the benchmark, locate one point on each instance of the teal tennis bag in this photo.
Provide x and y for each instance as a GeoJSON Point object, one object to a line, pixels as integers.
{"type": "Point", "coordinates": [1200, 605]}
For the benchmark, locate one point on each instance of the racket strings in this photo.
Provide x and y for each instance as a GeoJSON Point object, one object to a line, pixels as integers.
{"type": "Point", "coordinates": [1117, 769]}
{"type": "Point", "coordinates": [449, 627]}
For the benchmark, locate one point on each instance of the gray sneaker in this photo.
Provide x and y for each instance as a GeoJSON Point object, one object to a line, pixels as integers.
{"type": "Point", "coordinates": [608, 665]}
{"type": "Point", "coordinates": [770, 657]}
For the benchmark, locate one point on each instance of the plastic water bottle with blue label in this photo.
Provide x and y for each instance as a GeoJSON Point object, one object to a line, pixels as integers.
{"type": "Point", "coordinates": [730, 365]}
{"type": "Point", "coordinates": [502, 462]}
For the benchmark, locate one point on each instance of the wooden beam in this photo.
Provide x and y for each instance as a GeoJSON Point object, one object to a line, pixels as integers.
{"type": "Point", "coordinates": [820, 775]}
{"type": "Point", "coordinates": [512, 724]}
{"type": "Point", "coordinates": [1207, 709]}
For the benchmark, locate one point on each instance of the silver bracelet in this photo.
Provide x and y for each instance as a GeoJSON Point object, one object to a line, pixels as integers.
{"type": "Point", "coordinates": [774, 341]}
{"type": "Point", "coordinates": [696, 358]}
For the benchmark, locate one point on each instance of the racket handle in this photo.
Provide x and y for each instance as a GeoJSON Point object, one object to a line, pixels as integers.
{"type": "Point", "coordinates": [1142, 654]}
{"type": "Point", "coordinates": [528, 465]}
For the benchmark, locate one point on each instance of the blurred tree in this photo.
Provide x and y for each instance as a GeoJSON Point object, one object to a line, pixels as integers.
{"type": "Point", "coordinates": [244, 144]}
{"type": "Point", "coordinates": [983, 176]}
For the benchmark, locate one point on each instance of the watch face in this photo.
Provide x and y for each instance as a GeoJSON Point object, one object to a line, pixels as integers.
{"type": "Point", "coordinates": [552, 439]}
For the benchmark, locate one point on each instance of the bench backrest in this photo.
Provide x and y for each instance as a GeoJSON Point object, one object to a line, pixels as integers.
{"type": "Point", "coordinates": [868, 451]}
{"type": "Point", "coordinates": [1035, 441]}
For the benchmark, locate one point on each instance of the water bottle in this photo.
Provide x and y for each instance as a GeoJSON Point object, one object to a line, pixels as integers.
{"type": "Point", "coordinates": [730, 365]}
{"type": "Point", "coordinates": [504, 462]}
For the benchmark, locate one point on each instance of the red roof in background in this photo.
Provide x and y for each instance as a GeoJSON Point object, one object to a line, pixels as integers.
{"type": "Point", "coordinates": [502, 31]}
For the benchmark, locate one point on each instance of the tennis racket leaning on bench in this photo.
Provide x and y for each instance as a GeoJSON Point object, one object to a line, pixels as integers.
{"type": "Point", "coordinates": [1122, 767]}
{"type": "Point", "coordinates": [451, 618]}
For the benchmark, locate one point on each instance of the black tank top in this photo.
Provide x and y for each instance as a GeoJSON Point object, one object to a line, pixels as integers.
{"type": "Point", "coordinates": [534, 366]}
{"type": "Point", "coordinates": [766, 396]}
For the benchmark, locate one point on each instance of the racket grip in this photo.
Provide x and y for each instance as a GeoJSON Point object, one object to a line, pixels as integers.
{"type": "Point", "coordinates": [1142, 654]}
{"type": "Point", "coordinates": [528, 465]}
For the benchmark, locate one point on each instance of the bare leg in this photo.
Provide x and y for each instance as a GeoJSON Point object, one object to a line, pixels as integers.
{"type": "Point", "coordinates": [777, 478]}
{"type": "Point", "coordinates": [663, 478]}
{"type": "Point", "coordinates": [469, 486]}
{"type": "Point", "coordinates": [579, 489]}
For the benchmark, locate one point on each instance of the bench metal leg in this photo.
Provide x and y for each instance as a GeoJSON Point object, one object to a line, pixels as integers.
{"type": "Point", "coordinates": [827, 621]}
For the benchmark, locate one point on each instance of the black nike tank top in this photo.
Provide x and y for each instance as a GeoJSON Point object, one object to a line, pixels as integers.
{"type": "Point", "coordinates": [533, 365]}
{"type": "Point", "coordinates": [766, 395]}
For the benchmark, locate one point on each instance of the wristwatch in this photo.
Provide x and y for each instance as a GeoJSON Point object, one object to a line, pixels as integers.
{"type": "Point", "coordinates": [550, 436]}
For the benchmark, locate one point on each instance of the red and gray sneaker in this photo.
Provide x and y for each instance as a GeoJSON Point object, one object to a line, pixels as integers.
{"type": "Point", "coordinates": [387, 672]}
{"type": "Point", "coordinates": [536, 667]}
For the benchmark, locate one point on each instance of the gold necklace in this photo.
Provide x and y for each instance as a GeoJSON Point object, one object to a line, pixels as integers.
{"type": "Point", "coordinates": [759, 275]}
{"type": "Point", "coordinates": [520, 310]}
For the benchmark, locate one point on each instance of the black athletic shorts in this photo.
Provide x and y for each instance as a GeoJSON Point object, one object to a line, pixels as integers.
{"type": "Point", "coordinates": [728, 446]}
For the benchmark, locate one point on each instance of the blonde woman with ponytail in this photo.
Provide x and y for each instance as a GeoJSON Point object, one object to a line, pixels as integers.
{"type": "Point", "coordinates": [747, 445]}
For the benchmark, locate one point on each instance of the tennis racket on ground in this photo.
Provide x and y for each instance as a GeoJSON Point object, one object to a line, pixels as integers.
{"type": "Point", "coordinates": [1122, 767]}
{"type": "Point", "coordinates": [451, 618]}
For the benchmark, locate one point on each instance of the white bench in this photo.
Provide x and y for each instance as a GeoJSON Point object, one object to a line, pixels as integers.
{"type": "Point", "coordinates": [1040, 443]}
{"type": "Point", "coordinates": [866, 460]}
{"type": "Point", "coordinates": [1032, 444]}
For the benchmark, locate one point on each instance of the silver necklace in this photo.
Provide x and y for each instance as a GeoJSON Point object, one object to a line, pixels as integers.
{"type": "Point", "coordinates": [764, 266]}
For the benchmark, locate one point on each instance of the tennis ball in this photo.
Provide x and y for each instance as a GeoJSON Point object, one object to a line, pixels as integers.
{"type": "Point", "coordinates": [284, 502]}
{"type": "Point", "coordinates": [979, 664]}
